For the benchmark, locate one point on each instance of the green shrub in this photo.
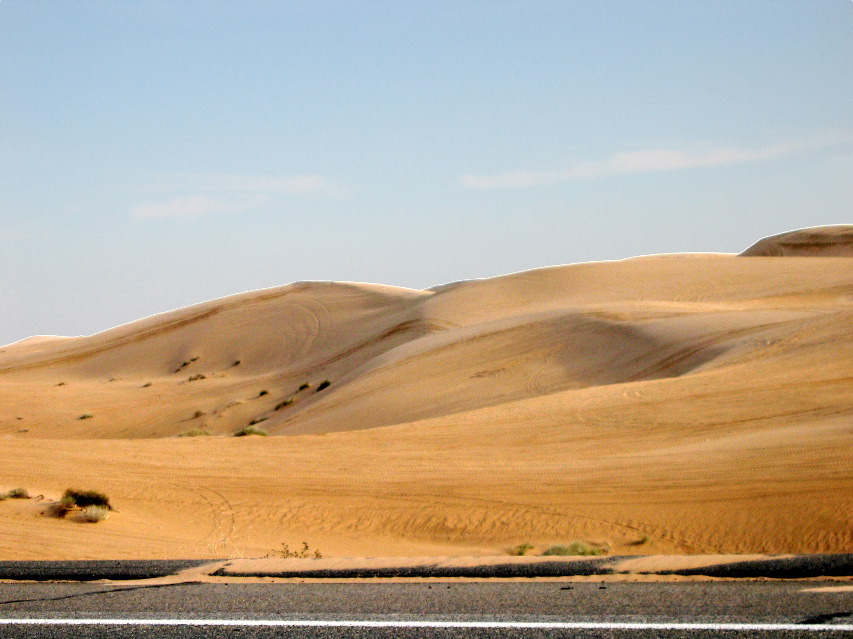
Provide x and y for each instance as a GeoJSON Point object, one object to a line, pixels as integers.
{"type": "Point", "coordinates": [193, 378]}
{"type": "Point", "coordinates": [237, 362]}
{"type": "Point", "coordinates": [86, 416]}
{"type": "Point", "coordinates": [520, 550]}
{"type": "Point", "coordinates": [83, 498]}
{"type": "Point", "coordinates": [194, 432]}
{"type": "Point", "coordinates": [286, 402]}
{"type": "Point", "coordinates": [302, 387]}
{"type": "Point", "coordinates": [15, 493]}
{"type": "Point", "coordinates": [146, 385]}
{"type": "Point", "coordinates": [324, 384]}
{"type": "Point", "coordinates": [251, 430]}
{"type": "Point", "coordinates": [263, 392]}
{"type": "Point", "coordinates": [576, 548]}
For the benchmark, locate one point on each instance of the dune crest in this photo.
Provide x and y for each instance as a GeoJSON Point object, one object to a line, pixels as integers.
{"type": "Point", "coordinates": [822, 241]}
{"type": "Point", "coordinates": [675, 403]}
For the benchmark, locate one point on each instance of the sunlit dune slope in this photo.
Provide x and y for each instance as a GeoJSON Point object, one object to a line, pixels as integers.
{"type": "Point", "coordinates": [674, 403]}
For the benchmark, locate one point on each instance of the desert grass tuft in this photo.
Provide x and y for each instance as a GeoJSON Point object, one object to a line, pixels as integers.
{"type": "Point", "coordinates": [576, 548]}
{"type": "Point", "coordinates": [86, 416]}
{"type": "Point", "coordinates": [324, 384]}
{"type": "Point", "coordinates": [251, 430]}
{"type": "Point", "coordinates": [194, 432]}
{"type": "Point", "coordinates": [286, 402]}
{"type": "Point", "coordinates": [82, 498]}
{"type": "Point", "coordinates": [520, 550]}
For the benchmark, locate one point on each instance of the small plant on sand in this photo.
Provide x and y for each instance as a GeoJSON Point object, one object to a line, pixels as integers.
{"type": "Point", "coordinates": [302, 387]}
{"type": "Point", "coordinates": [237, 362]}
{"type": "Point", "coordinates": [86, 416]}
{"type": "Point", "coordinates": [146, 385]}
{"type": "Point", "coordinates": [91, 505]}
{"type": "Point", "coordinates": [251, 430]}
{"type": "Point", "coordinates": [15, 493]}
{"type": "Point", "coordinates": [194, 432]}
{"type": "Point", "coordinates": [302, 553]}
{"type": "Point", "coordinates": [324, 384]}
{"type": "Point", "coordinates": [576, 548]}
{"type": "Point", "coordinates": [263, 392]}
{"type": "Point", "coordinates": [193, 378]}
{"type": "Point", "coordinates": [639, 542]}
{"type": "Point", "coordinates": [286, 402]}
{"type": "Point", "coordinates": [257, 420]}
{"type": "Point", "coordinates": [520, 550]}
{"type": "Point", "coordinates": [93, 514]}
{"type": "Point", "coordinates": [83, 498]}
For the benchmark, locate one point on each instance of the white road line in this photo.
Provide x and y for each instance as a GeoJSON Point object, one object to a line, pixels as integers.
{"type": "Point", "coordinates": [498, 625]}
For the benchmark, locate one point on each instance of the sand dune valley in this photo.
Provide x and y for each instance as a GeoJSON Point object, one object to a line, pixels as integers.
{"type": "Point", "coordinates": [667, 404]}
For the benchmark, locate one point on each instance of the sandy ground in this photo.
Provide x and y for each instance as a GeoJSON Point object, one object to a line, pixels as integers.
{"type": "Point", "coordinates": [677, 404]}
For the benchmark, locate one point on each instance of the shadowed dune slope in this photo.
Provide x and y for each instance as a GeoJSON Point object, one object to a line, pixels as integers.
{"type": "Point", "coordinates": [673, 403]}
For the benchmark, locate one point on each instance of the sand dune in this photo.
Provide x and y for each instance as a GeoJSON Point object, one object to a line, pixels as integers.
{"type": "Point", "coordinates": [684, 403]}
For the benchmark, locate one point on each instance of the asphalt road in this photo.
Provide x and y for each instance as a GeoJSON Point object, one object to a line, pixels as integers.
{"type": "Point", "coordinates": [708, 604]}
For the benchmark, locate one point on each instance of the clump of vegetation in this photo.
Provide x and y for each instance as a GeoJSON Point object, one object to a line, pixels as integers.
{"type": "Point", "coordinates": [286, 402]}
{"type": "Point", "coordinates": [15, 493]}
{"type": "Point", "coordinates": [251, 430]}
{"type": "Point", "coordinates": [193, 378]}
{"type": "Point", "coordinates": [302, 553]}
{"type": "Point", "coordinates": [86, 416]}
{"type": "Point", "coordinates": [257, 420]}
{"type": "Point", "coordinates": [146, 384]}
{"type": "Point", "coordinates": [194, 432]}
{"type": "Point", "coordinates": [93, 514]}
{"type": "Point", "coordinates": [263, 392]}
{"type": "Point", "coordinates": [237, 362]}
{"type": "Point", "coordinates": [639, 542]}
{"type": "Point", "coordinates": [61, 384]}
{"type": "Point", "coordinates": [520, 550]}
{"type": "Point", "coordinates": [303, 386]}
{"type": "Point", "coordinates": [185, 364]}
{"type": "Point", "coordinates": [576, 548]}
{"type": "Point", "coordinates": [92, 506]}
{"type": "Point", "coordinates": [324, 384]}
{"type": "Point", "coordinates": [83, 498]}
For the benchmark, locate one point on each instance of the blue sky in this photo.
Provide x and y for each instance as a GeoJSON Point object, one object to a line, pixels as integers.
{"type": "Point", "coordinates": [158, 154]}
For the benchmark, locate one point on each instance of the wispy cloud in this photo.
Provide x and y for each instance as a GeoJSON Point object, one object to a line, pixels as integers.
{"type": "Point", "coordinates": [646, 161]}
{"type": "Point", "coordinates": [200, 195]}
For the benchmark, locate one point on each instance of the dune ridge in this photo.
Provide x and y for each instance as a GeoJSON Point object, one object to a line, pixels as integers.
{"type": "Point", "coordinates": [688, 403]}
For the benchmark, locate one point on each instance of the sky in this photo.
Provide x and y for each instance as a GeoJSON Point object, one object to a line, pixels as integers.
{"type": "Point", "coordinates": [159, 154]}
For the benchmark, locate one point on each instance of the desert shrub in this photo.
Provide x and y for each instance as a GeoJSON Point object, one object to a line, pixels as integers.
{"type": "Point", "coordinates": [286, 402]}
{"type": "Point", "coordinates": [521, 549]}
{"type": "Point", "coordinates": [146, 384]}
{"type": "Point", "coordinates": [302, 387]}
{"type": "Point", "coordinates": [193, 378]}
{"type": "Point", "coordinates": [324, 384]}
{"type": "Point", "coordinates": [93, 514]}
{"type": "Point", "coordinates": [302, 553]}
{"type": "Point", "coordinates": [576, 548]}
{"type": "Point", "coordinates": [194, 432]}
{"type": "Point", "coordinates": [263, 392]}
{"type": "Point", "coordinates": [59, 510]}
{"type": "Point", "coordinates": [251, 430]}
{"type": "Point", "coordinates": [17, 493]}
{"type": "Point", "coordinates": [86, 416]}
{"type": "Point", "coordinates": [237, 362]}
{"type": "Point", "coordinates": [257, 420]}
{"type": "Point", "coordinates": [83, 498]}
{"type": "Point", "coordinates": [639, 542]}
